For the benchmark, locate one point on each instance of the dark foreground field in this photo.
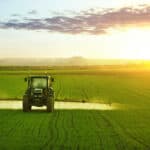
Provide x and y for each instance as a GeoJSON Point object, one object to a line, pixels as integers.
{"type": "Point", "coordinates": [75, 129]}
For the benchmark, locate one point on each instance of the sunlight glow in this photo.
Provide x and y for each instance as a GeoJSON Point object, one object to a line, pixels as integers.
{"type": "Point", "coordinates": [130, 43]}
{"type": "Point", "coordinates": [138, 43]}
{"type": "Point", "coordinates": [59, 105]}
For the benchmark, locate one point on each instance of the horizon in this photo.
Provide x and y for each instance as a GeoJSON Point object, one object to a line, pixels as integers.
{"type": "Point", "coordinates": [72, 61]}
{"type": "Point", "coordinates": [92, 30]}
{"type": "Point", "coordinates": [76, 57]}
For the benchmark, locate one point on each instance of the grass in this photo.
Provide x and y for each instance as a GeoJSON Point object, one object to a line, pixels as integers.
{"type": "Point", "coordinates": [133, 90]}
{"type": "Point", "coordinates": [117, 129]}
{"type": "Point", "coordinates": [11, 87]}
{"type": "Point", "coordinates": [75, 129]}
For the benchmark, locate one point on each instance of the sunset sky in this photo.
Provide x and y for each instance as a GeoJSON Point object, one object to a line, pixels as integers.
{"type": "Point", "coordinates": [66, 28]}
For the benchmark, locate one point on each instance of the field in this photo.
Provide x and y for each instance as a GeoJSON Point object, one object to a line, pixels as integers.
{"type": "Point", "coordinates": [126, 127]}
{"type": "Point", "coordinates": [75, 129]}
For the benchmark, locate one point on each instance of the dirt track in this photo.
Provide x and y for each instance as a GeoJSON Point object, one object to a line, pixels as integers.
{"type": "Point", "coordinates": [58, 105]}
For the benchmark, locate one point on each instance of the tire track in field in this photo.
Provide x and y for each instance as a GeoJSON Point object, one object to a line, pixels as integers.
{"type": "Point", "coordinates": [62, 145]}
{"type": "Point", "coordinates": [18, 123]}
{"type": "Point", "coordinates": [131, 136]}
{"type": "Point", "coordinates": [53, 135]}
{"type": "Point", "coordinates": [77, 145]}
{"type": "Point", "coordinates": [56, 129]}
{"type": "Point", "coordinates": [113, 133]}
{"type": "Point", "coordinates": [99, 143]}
{"type": "Point", "coordinates": [4, 120]}
{"type": "Point", "coordinates": [64, 128]}
{"type": "Point", "coordinates": [98, 126]}
{"type": "Point", "coordinates": [74, 128]}
{"type": "Point", "coordinates": [40, 127]}
{"type": "Point", "coordinates": [120, 144]}
{"type": "Point", "coordinates": [48, 137]}
{"type": "Point", "coordinates": [9, 115]}
{"type": "Point", "coordinates": [32, 128]}
{"type": "Point", "coordinates": [64, 134]}
{"type": "Point", "coordinates": [73, 123]}
{"type": "Point", "coordinates": [6, 115]}
{"type": "Point", "coordinates": [52, 132]}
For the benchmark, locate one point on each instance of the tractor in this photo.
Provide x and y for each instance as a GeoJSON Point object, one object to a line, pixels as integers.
{"type": "Point", "coordinates": [39, 93]}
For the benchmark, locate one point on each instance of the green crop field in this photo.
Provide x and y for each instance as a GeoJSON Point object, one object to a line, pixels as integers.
{"type": "Point", "coordinates": [75, 129]}
{"type": "Point", "coordinates": [122, 128]}
{"type": "Point", "coordinates": [124, 89]}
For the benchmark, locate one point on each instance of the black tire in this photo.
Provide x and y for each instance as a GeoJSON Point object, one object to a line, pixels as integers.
{"type": "Point", "coordinates": [26, 105]}
{"type": "Point", "coordinates": [50, 104]}
{"type": "Point", "coordinates": [30, 107]}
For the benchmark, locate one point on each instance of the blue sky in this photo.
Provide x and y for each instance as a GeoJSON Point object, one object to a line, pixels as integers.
{"type": "Point", "coordinates": [67, 28]}
{"type": "Point", "coordinates": [44, 7]}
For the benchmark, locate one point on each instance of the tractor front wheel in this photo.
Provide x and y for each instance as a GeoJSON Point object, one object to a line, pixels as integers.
{"type": "Point", "coordinates": [26, 105]}
{"type": "Point", "coordinates": [50, 104]}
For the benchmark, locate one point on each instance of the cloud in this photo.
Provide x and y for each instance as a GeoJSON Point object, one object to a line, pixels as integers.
{"type": "Point", "coordinates": [92, 21]}
{"type": "Point", "coordinates": [15, 15]}
{"type": "Point", "coordinates": [32, 12]}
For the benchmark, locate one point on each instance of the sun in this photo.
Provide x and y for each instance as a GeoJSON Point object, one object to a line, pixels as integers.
{"type": "Point", "coordinates": [137, 43]}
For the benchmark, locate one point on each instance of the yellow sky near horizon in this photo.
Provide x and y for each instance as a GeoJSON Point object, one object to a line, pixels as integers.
{"type": "Point", "coordinates": [131, 43]}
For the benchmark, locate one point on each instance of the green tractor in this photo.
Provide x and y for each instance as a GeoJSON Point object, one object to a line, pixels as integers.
{"type": "Point", "coordinates": [39, 93]}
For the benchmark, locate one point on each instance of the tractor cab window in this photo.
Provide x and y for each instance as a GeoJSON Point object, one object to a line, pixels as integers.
{"type": "Point", "coordinates": [39, 83]}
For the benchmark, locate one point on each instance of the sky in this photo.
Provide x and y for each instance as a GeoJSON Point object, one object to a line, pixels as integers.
{"type": "Point", "coordinates": [88, 28]}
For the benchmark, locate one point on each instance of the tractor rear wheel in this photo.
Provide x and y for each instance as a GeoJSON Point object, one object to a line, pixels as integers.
{"type": "Point", "coordinates": [26, 104]}
{"type": "Point", "coordinates": [50, 104]}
